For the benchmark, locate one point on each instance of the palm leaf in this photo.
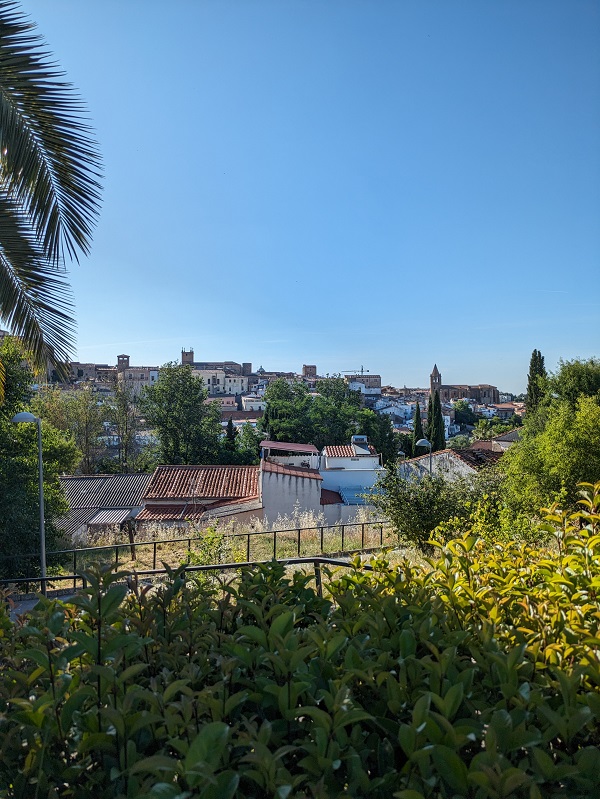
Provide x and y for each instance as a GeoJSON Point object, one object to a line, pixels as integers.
{"type": "Point", "coordinates": [49, 190]}
{"type": "Point", "coordinates": [49, 161]}
{"type": "Point", "coordinates": [35, 298]}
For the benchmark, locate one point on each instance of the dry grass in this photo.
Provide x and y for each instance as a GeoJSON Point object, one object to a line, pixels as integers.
{"type": "Point", "coordinates": [304, 534]}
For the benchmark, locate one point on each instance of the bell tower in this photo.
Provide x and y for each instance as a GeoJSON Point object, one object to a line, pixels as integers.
{"type": "Point", "coordinates": [435, 380]}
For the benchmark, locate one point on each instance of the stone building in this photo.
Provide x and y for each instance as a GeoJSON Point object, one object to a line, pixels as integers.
{"type": "Point", "coordinates": [482, 393]}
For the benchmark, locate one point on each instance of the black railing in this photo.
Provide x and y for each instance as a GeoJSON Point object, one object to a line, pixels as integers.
{"type": "Point", "coordinates": [79, 580]}
{"type": "Point", "coordinates": [325, 540]}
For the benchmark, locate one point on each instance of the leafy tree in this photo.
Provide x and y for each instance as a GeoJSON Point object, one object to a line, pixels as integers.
{"type": "Point", "coordinates": [286, 413]}
{"type": "Point", "coordinates": [80, 413]}
{"type": "Point", "coordinates": [463, 414]}
{"type": "Point", "coordinates": [49, 169]}
{"type": "Point", "coordinates": [418, 432]}
{"type": "Point", "coordinates": [188, 428]}
{"type": "Point", "coordinates": [574, 379]}
{"type": "Point", "coordinates": [335, 388]}
{"type": "Point", "coordinates": [248, 443]}
{"type": "Point", "coordinates": [19, 502]}
{"type": "Point", "coordinates": [459, 442]}
{"type": "Point", "coordinates": [405, 443]}
{"type": "Point", "coordinates": [122, 413]}
{"type": "Point", "coordinates": [379, 430]}
{"type": "Point", "coordinates": [554, 454]}
{"type": "Point", "coordinates": [332, 422]}
{"type": "Point", "coordinates": [536, 380]}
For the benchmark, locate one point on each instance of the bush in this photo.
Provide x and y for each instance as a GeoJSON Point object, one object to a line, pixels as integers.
{"type": "Point", "coordinates": [476, 677]}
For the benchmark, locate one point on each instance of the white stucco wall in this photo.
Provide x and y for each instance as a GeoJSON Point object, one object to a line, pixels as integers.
{"type": "Point", "coordinates": [281, 493]}
{"type": "Point", "coordinates": [334, 479]}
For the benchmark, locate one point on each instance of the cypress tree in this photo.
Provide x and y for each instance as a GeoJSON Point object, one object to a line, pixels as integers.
{"type": "Point", "coordinates": [417, 432]}
{"type": "Point", "coordinates": [429, 425]}
{"type": "Point", "coordinates": [438, 439]}
{"type": "Point", "coordinates": [535, 381]}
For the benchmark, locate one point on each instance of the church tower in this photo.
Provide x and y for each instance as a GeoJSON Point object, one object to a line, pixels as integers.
{"type": "Point", "coordinates": [435, 380]}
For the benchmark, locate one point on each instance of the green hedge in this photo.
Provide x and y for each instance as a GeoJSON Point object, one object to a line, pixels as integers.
{"type": "Point", "coordinates": [477, 677]}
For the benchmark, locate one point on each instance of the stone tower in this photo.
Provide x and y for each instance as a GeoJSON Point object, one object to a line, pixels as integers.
{"type": "Point", "coordinates": [435, 380]}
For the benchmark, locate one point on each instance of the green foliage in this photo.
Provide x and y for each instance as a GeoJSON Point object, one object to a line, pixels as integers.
{"type": "Point", "coordinates": [332, 417]}
{"type": "Point", "coordinates": [474, 677]}
{"type": "Point", "coordinates": [560, 447]}
{"type": "Point", "coordinates": [459, 442]}
{"type": "Point", "coordinates": [187, 427]}
{"type": "Point", "coordinates": [536, 381]}
{"type": "Point", "coordinates": [418, 433]}
{"type": "Point", "coordinates": [574, 379]}
{"type": "Point", "coordinates": [80, 414]}
{"type": "Point", "coordinates": [463, 413]}
{"type": "Point", "coordinates": [416, 508]}
{"type": "Point", "coordinates": [438, 438]}
{"type": "Point", "coordinates": [19, 492]}
{"type": "Point", "coordinates": [49, 169]}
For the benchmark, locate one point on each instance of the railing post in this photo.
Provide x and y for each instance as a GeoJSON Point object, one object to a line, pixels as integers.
{"type": "Point", "coordinates": [154, 556]}
{"type": "Point", "coordinates": [116, 557]}
{"type": "Point", "coordinates": [321, 539]}
{"type": "Point", "coordinates": [343, 531]}
{"type": "Point", "coordinates": [298, 542]}
{"type": "Point", "coordinates": [248, 549]}
{"type": "Point", "coordinates": [362, 537]}
{"type": "Point", "coordinates": [74, 570]}
{"type": "Point", "coordinates": [189, 557]}
{"type": "Point", "coordinates": [274, 544]}
{"type": "Point", "coordinates": [318, 578]}
{"type": "Point", "coordinates": [381, 536]}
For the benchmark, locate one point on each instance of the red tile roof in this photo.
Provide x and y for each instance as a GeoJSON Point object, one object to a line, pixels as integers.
{"type": "Point", "coordinates": [294, 471]}
{"type": "Point", "coordinates": [345, 451]}
{"type": "Point", "coordinates": [191, 511]}
{"type": "Point", "coordinates": [330, 497]}
{"type": "Point", "coordinates": [288, 447]}
{"type": "Point", "coordinates": [194, 483]}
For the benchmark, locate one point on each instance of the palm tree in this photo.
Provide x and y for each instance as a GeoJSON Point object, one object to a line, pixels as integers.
{"type": "Point", "coordinates": [49, 190]}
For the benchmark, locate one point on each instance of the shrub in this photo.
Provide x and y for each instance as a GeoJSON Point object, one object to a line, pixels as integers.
{"type": "Point", "coordinates": [477, 677]}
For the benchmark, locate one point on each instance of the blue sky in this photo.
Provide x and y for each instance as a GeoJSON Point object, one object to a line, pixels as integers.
{"type": "Point", "coordinates": [346, 183]}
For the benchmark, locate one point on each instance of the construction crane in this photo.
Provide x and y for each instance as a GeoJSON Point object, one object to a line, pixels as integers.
{"type": "Point", "coordinates": [355, 371]}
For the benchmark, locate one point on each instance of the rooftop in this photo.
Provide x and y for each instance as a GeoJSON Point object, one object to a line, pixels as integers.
{"type": "Point", "coordinates": [289, 447]}
{"type": "Point", "coordinates": [203, 482]}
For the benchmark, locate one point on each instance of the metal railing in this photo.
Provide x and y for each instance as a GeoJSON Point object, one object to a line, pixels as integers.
{"type": "Point", "coordinates": [77, 581]}
{"type": "Point", "coordinates": [325, 539]}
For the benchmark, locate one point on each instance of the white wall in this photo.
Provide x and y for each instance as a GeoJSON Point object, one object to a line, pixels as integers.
{"type": "Point", "coordinates": [334, 479]}
{"type": "Point", "coordinates": [281, 493]}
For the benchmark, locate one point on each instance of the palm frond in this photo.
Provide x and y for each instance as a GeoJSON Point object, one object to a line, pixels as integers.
{"type": "Point", "coordinates": [35, 297]}
{"type": "Point", "coordinates": [49, 162]}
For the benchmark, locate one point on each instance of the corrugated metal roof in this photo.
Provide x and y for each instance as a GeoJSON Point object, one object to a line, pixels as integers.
{"type": "Point", "coordinates": [105, 490]}
{"type": "Point", "coordinates": [111, 516]}
{"type": "Point", "coordinates": [288, 447]}
{"type": "Point", "coordinates": [203, 482]}
{"type": "Point", "coordinates": [70, 523]}
{"type": "Point", "coordinates": [294, 471]}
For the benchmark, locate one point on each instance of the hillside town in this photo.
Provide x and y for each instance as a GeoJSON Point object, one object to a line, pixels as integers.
{"type": "Point", "coordinates": [239, 390]}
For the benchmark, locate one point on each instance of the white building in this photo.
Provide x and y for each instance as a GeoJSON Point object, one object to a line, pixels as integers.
{"type": "Point", "coordinates": [217, 381]}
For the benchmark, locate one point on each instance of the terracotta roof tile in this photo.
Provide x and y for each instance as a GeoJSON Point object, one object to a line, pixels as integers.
{"type": "Point", "coordinates": [330, 497]}
{"type": "Point", "coordinates": [203, 482]}
{"type": "Point", "coordinates": [345, 451]}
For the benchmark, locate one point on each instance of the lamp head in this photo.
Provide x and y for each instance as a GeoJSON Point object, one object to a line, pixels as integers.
{"type": "Point", "coordinates": [24, 416]}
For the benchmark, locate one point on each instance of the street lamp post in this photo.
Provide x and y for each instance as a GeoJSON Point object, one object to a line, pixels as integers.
{"type": "Point", "coordinates": [25, 416]}
{"type": "Point", "coordinates": [422, 442]}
